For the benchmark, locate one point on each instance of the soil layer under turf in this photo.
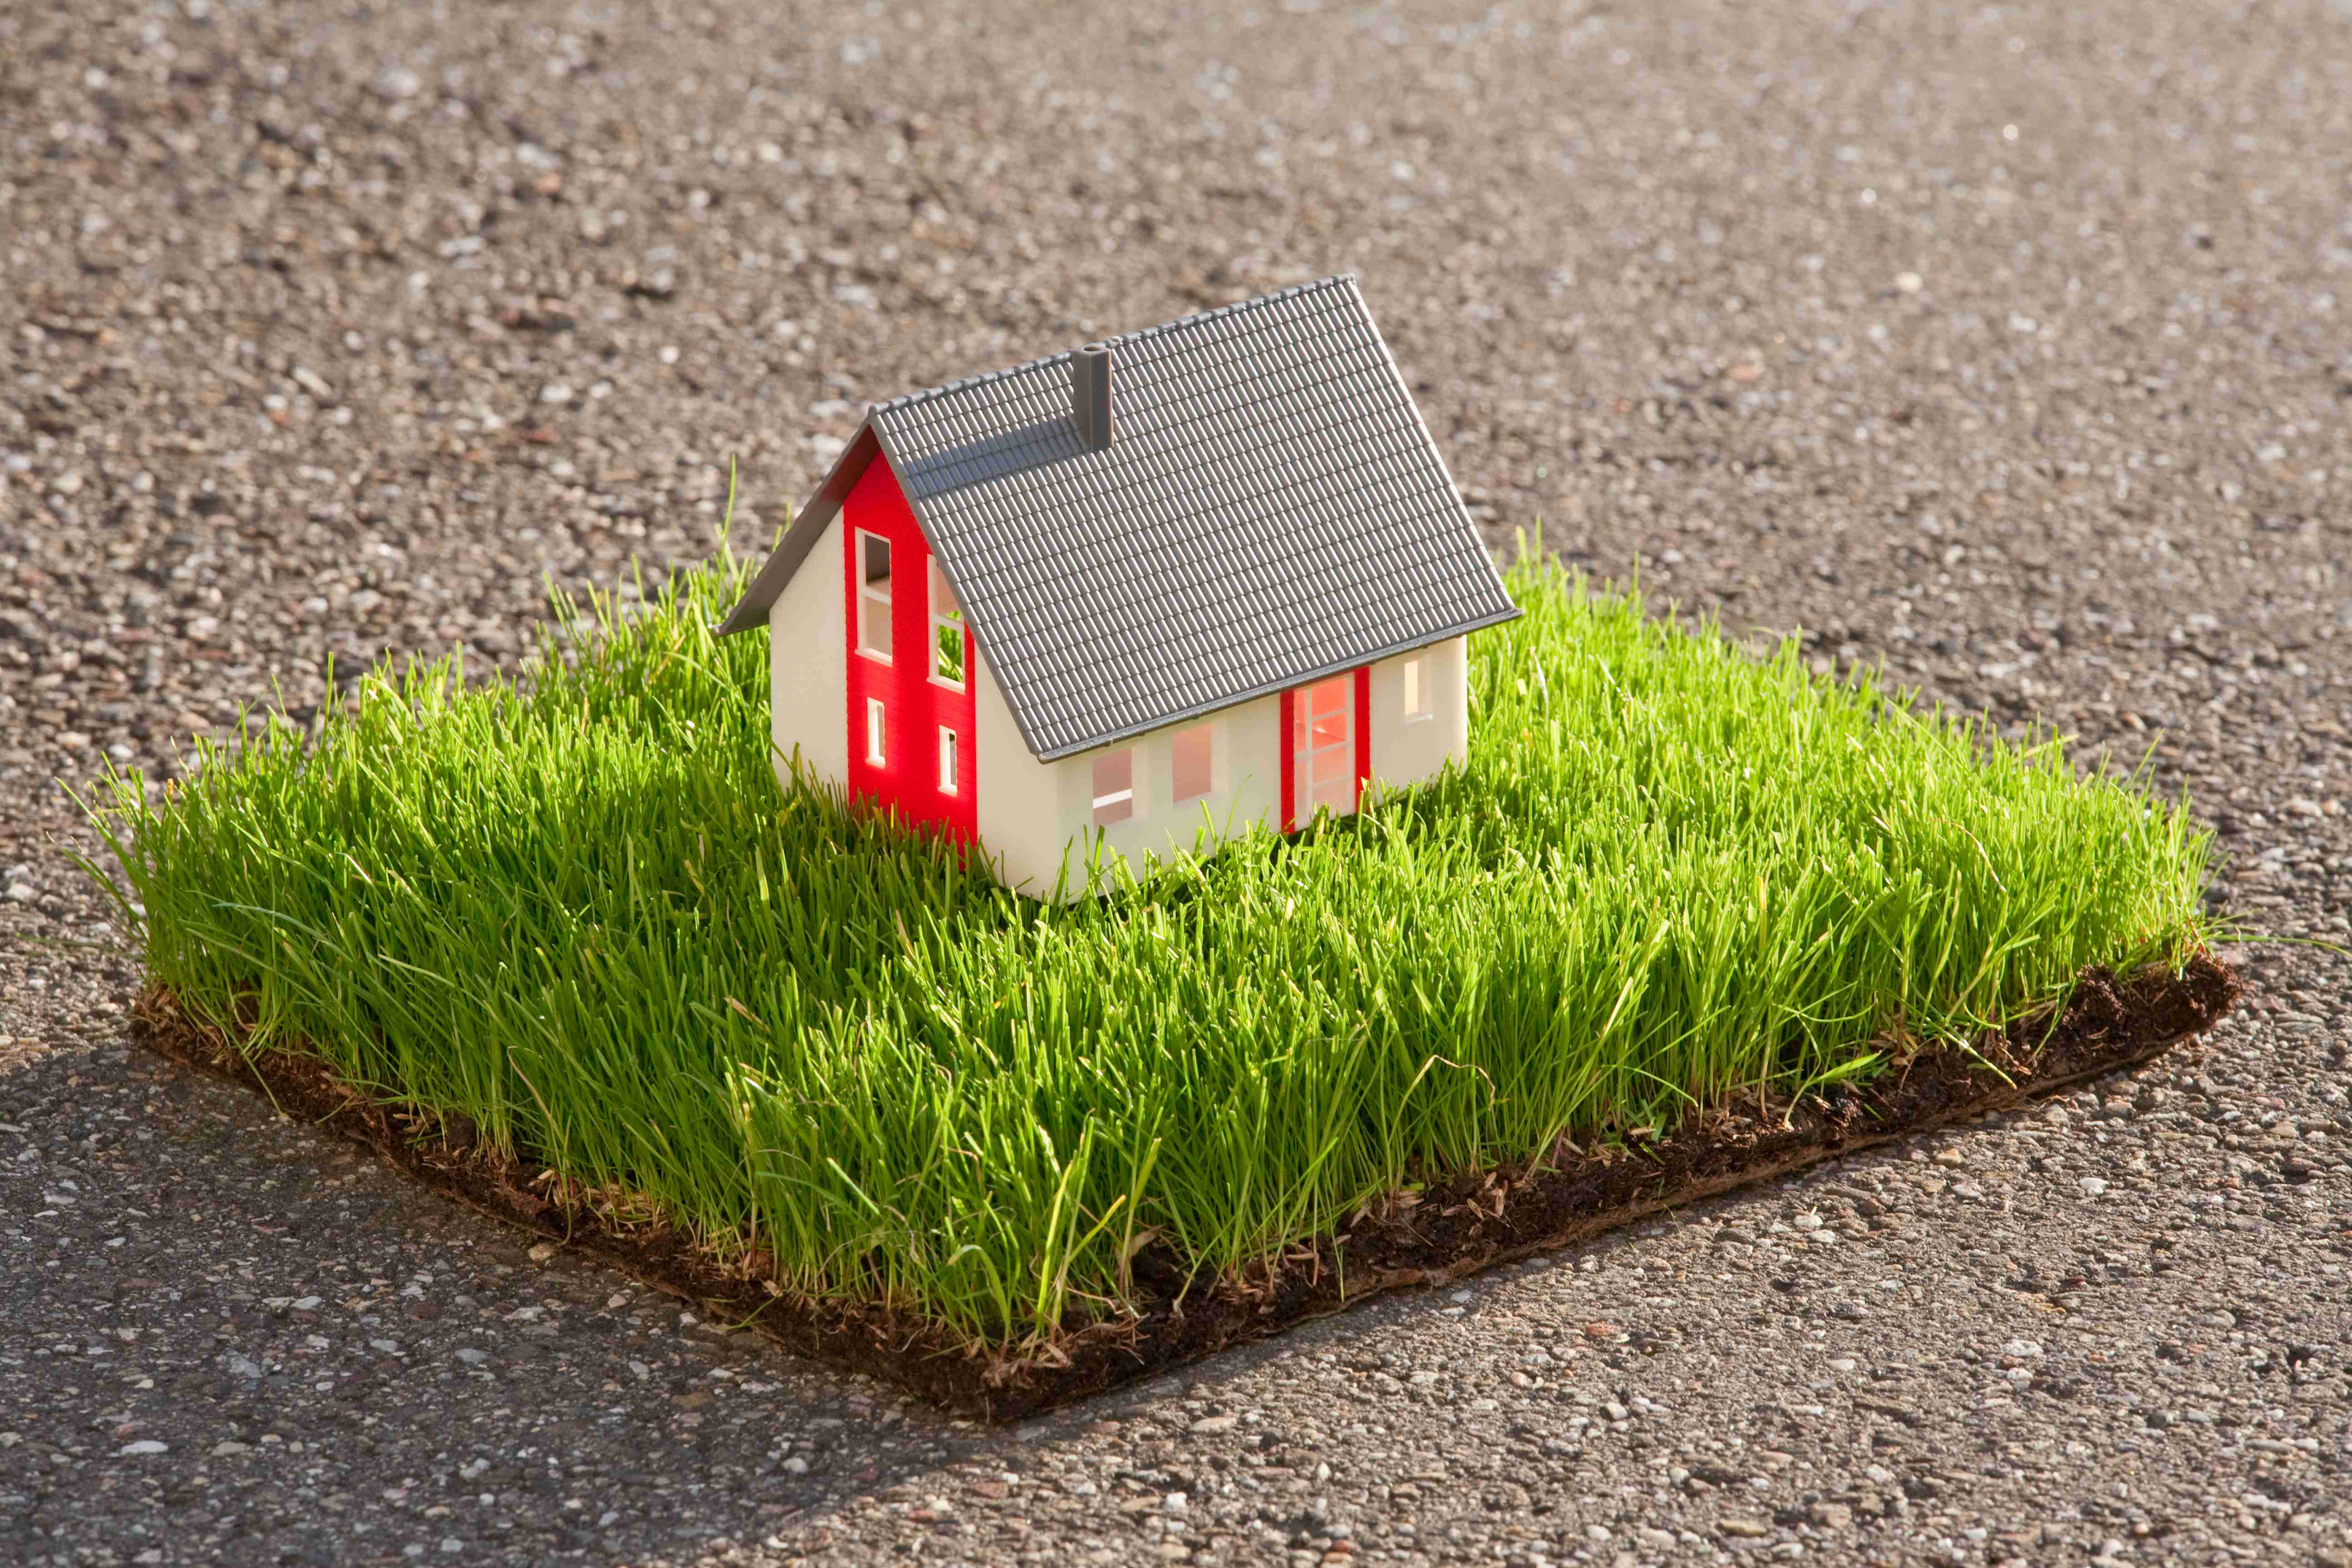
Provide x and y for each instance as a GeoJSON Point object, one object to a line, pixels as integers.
{"type": "Point", "coordinates": [1451, 1229]}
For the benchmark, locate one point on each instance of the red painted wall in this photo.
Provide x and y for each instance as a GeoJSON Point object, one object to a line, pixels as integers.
{"type": "Point", "coordinates": [1289, 722]}
{"type": "Point", "coordinates": [1363, 694]}
{"type": "Point", "coordinates": [915, 706]}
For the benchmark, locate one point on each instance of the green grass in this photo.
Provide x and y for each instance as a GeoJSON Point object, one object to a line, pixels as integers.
{"type": "Point", "coordinates": [581, 913]}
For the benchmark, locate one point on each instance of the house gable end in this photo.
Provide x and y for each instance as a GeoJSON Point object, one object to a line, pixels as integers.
{"type": "Point", "coordinates": [802, 533]}
{"type": "Point", "coordinates": [972, 627]}
{"type": "Point", "coordinates": [910, 712]}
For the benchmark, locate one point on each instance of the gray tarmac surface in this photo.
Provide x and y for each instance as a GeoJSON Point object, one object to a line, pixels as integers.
{"type": "Point", "coordinates": [2010, 347]}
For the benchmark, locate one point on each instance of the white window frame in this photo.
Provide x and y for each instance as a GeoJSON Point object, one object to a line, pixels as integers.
{"type": "Point", "coordinates": [876, 733]}
{"type": "Point", "coordinates": [950, 760]}
{"type": "Point", "coordinates": [936, 586]}
{"type": "Point", "coordinates": [1209, 732]}
{"type": "Point", "coordinates": [868, 594]}
{"type": "Point", "coordinates": [1305, 753]}
{"type": "Point", "coordinates": [1117, 805]}
{"type": "Point", "coordinates": [1418, 700]}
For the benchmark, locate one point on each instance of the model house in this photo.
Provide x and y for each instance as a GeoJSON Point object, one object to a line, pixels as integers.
{"type": "Point", "coordinates": [1134, 598]}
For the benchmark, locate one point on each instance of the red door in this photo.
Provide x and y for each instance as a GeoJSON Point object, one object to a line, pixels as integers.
{"type": "Point", "coordinates": [1327, 752]}
{"type": "Point", "coordinates": [911, 729]}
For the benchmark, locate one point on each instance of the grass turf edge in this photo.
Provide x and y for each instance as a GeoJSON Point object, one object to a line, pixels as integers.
{"type": "Point", "coordinates": [1451, 1229]}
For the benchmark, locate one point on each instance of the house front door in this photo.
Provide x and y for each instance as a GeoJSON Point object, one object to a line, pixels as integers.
{"type": "Point", "coordinates": [1329, 751]}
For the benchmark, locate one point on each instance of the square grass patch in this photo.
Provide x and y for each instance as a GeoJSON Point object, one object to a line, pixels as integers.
{"type": "Point", "coordinates": [571, 929]}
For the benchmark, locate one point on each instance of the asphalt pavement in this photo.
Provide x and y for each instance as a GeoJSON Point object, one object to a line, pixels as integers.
{"type": "Point", "coordinates": [2009, 348]}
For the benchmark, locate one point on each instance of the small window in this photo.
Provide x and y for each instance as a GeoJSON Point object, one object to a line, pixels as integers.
{"type": "Point", "coordinates": [1113, 786]}
{"type": "Point", "coordinates": [1323, 746]}
{"type": "Point", "coordinates": [873, 596]}
{"type": "Point", "coordinates": [1192, 763]}
{"type": "Point", "coordinates": [1416, 691]}
{"type": "Point", "coordinates": [947, 630]}
{"type": "Point", "coordinates": [947, 761]}
{"type": "Point", "coordinates": [874, 730]}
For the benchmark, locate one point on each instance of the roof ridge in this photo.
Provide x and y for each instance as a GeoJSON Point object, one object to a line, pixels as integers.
{"type": "Point", "coordinates": [1257, 301]}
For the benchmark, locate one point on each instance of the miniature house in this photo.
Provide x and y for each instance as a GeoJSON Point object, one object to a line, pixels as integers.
{"type": "Point", "coordinates": [1135, 598]}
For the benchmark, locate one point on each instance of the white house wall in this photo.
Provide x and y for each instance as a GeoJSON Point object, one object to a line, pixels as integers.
{"type": "Point", "coordinates": [808, 691]}
{"type": "Point", "coordinates": [1023, 813]}
{"type": "Point", "coordinates": [1033, 814]}
{"type": "Point", "coordinates": [1245, 790]}
{"type": "Point", "coordinates": [1408, 751]}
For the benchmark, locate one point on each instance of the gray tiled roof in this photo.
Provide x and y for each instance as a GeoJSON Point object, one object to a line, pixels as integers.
{"type": "Point", "coordinates": [1271, 509]}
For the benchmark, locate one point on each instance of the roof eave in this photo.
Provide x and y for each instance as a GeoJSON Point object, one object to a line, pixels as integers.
{"type": "Point", "coordinates": [801, 534]}
{"type": "Point", "coordinates": [1203, 710]}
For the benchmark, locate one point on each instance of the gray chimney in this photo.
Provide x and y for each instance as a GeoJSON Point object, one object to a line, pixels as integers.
{"type": "Point", "coordinates": [1090, 394]}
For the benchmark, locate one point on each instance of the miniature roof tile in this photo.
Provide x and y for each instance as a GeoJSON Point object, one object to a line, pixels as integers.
{"type": "Point", "coordinates": [1270, 509]}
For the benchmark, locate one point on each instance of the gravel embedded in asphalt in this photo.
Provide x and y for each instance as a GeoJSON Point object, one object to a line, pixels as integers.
{"type": "Point", "coordinates": [2008, 348]}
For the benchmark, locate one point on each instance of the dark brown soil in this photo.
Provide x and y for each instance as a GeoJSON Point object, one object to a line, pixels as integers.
{"type": "Point", "coordinates": [1448, 1230]}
